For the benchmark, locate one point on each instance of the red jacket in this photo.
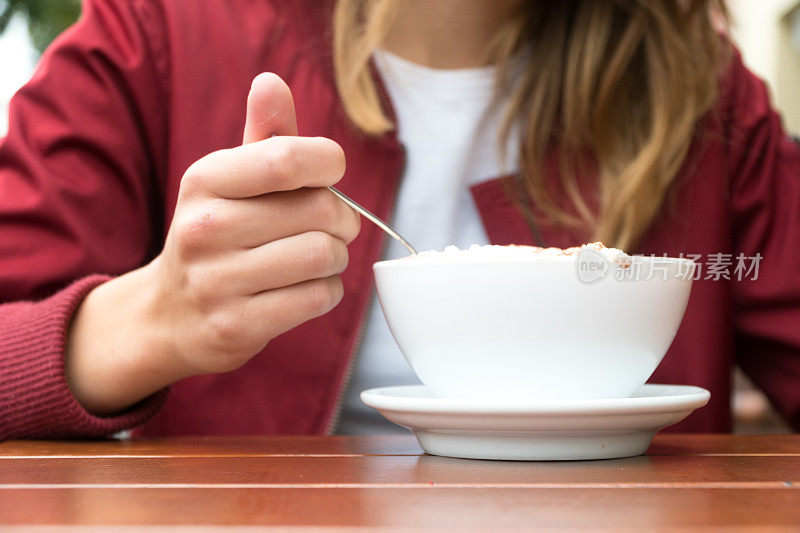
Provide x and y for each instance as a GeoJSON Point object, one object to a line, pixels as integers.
{"type": "Point", "coordinates": [125, 101]}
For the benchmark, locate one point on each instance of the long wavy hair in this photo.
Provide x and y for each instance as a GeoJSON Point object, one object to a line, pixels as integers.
{"type": "Point", "coordinates": [617, 86]}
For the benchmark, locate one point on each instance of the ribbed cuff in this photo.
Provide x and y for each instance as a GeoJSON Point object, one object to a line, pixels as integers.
{"type": "Point", "coordinates": [35, 401]}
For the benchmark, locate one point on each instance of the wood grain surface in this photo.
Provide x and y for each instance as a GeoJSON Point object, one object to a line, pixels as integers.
{"type": "Point", "coordinates": [685, 482]}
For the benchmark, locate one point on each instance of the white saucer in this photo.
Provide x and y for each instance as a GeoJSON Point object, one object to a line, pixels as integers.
{"type": "Point", "coordinates": [563, 430]}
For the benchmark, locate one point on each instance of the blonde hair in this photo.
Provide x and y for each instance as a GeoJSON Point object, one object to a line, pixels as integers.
{"type": "Point", "coordinates": [614, 85]}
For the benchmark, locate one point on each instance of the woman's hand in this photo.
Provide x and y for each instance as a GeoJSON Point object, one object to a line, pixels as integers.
{"type": "Point", "coordinates": [257, 242]}
{"type": "Point", "coordinates": [255, 248]}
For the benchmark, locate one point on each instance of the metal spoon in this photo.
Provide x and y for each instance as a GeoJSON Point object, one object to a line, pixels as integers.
{"type": "Point", "coordinates": [372, 218]}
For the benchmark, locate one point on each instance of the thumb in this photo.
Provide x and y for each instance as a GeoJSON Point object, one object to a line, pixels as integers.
{"type": "Point", "coordinates": [270, 109]}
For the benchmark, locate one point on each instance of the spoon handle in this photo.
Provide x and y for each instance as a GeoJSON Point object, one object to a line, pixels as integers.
{"type": "Point", "coordinates": [372, 218]}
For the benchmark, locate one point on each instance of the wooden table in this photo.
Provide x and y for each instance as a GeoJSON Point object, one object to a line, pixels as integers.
{"type": "Point", "coordinates": [685, 481]}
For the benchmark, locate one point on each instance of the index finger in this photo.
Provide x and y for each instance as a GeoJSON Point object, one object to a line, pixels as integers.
{"type": "Point", "coordinates": [272, 165]}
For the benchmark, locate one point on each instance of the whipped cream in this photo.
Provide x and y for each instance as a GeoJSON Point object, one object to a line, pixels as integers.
{"type": "Point", "coordinates": [501, 253]}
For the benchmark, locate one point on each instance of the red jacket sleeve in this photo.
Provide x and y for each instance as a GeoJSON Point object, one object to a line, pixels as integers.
{"type": "Point", "coordinates": [765, 202]}
{"type": "Point", "coordinates": [79, 174]}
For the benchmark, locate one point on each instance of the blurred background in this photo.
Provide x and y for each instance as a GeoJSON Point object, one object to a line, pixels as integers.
{"type": "Point", "coordinates": [26, 28]}
{"type": "Point", "coordinates": [766, 31]}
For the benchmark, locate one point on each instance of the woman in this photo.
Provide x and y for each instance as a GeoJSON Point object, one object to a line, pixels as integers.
{"type": "Point", "coordinates": [142, 247]}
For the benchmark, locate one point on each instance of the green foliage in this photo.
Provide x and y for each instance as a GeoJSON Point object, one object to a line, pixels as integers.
{"type": "Point", "coordinates": [46, 18]}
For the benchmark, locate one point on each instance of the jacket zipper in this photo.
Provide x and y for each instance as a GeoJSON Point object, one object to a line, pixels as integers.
{"type": "Point", "coordinates": [362, 327]}
{"type": "Point", "coordinates": [351, 363]}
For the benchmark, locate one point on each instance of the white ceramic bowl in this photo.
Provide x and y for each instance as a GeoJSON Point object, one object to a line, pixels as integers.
{"type": "Point", "coordinates": [531, 327]}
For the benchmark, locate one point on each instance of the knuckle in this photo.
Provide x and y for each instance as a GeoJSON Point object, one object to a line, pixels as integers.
{"type": "Point", "coordinates": [198, 176]}
{"type": "Point", "coordinates": [192, 230]}
{"type": "Point", "coordinates": [325, 294]}
{"type": "Point", "coordinates": [321, 253]}
{"type": "Point", "coordinates": [203, 285]}
{"type": "Point", "coordinates": [188, 241]}
{"type": "Point", "coordinates": [192, 181]}
{"type": "Point", "coordinates": [283, 162]}
{"type": "Point", "coordinates": [226, 330]}
{"type": "Point", "coordinates": [325, 207]}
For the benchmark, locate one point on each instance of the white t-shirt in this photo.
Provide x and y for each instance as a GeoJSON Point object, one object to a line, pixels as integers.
{"type": "Point", "coordinates": [449, 131]}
